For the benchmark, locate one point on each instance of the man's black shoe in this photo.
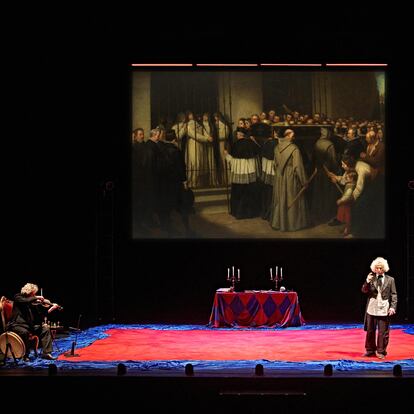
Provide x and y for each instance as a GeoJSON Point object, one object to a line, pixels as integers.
{"type": "Point", "coordinates": [48, 356]}
{"type": "Point", "coordinates": [369, 354]}
{"type": "Point", "coordinates": [334, 222]}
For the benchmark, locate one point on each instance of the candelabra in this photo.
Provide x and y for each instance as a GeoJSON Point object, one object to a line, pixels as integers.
{"type": "Point", "coordinates": [233, 277]}
{"type": "Point", "coordinates": [276, 278]}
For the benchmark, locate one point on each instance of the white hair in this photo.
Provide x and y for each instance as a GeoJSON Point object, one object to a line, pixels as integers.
{"type": "Point", "coordinates": [29, 288]}
{"type": "Point", "coordinates": [381, 261]}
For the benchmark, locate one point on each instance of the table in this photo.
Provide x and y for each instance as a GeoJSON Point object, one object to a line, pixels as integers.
{"type": "Point", "coordinates": [255, 309]}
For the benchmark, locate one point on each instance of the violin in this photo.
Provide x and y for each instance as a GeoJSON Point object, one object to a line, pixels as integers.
{"type": "Point", "coordinates": [47, 304]}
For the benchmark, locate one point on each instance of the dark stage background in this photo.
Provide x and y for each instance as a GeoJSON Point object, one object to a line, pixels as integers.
{"type": "Point", "coordinates": [73, 135]}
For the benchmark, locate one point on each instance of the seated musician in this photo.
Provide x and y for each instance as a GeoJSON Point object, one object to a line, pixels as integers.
{"type": "Point", "coordinates": [27, 317]}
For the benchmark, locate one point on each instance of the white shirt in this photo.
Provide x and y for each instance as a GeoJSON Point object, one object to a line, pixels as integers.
{"type": "Point", "coordinates": [377, 306]}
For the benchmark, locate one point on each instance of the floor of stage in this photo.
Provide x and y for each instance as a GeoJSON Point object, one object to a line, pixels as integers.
{"type": "Point", "coordinates": [165, 350]}
{"type": "Point", "coordinates": [296, 384]}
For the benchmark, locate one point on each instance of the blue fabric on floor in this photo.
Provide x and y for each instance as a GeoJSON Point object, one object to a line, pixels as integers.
{"type": "Point", "coordinates": [88, 336]}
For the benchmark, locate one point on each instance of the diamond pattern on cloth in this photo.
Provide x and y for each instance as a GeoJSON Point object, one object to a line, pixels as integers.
{"type": "Point", "coordinates": [269, 307]}
{"type": "Point", "coordinates": [252, 305]}
{"type": "Point", "coordinates": [237, 306]}
{"type": "Point", "coordinates": [255, 309]}
{"type": "Point", "coordinates": [284, 306]}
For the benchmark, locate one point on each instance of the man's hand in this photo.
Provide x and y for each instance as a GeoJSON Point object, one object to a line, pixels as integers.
{"type": "Point", "coordinates": [52, 308]}
{"type": "Point", "coordinates": [210, 139]}
{"type": "Point", "coordinates": [225, 152]}
{"type": "Point", "coordinates": [332, 177]}
{"type": "Point", "coordinates": [41, 298]}
{"type": "Point", "coordinates": [391, 311]}
{"type": "Point", "coordinates": [370, 277]}
{"type": "Point", "coordinates": [362, 155]}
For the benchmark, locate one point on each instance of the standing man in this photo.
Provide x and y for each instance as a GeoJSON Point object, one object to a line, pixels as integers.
{"type": "Point", "coordinates": [267, 175]}
{"type": "Point", "coordinates": [137, 177]}
{"type": "Point", "coordinates": [244, 173]}
{"type": "Point", "coordinates": [151, 167]}
{"type": "Point", "coordinates": [381, 304]}
{"type": "Point", "coordinates": [323, 193]}
{"type": "Point", "coordinates": [173, 180]}
{"type": "Point", "coordinates": [290, 177]}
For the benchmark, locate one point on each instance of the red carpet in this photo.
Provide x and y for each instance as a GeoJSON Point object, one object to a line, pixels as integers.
{"type": "Point", "coordinates": [297, 346]}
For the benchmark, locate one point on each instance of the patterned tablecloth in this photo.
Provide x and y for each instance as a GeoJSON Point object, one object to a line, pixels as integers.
{"type": "Point", "coordinates": [254, 309]}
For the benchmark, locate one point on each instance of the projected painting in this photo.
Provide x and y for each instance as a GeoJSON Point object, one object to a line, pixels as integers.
{"type": "Point", "coordinates": [268, 154]}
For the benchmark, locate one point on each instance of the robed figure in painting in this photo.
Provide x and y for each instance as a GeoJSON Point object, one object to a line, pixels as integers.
{"type": "Point", "coordinates": [172, 183]}
{"type": "Point", "coordinates": [289, 209]}
{"type": "Point", "coordinates": [222, 134]}
{"type": "Point", "coordinates": [195, 157]}
{"type": "Point", "coordinates": [323, 192]}
{"type": "Point", "coordinates": [209, 151]}
{"type": "Point", "coordinates": [267, 176]}
{"type": "Point", "coordinates": [244, 173]}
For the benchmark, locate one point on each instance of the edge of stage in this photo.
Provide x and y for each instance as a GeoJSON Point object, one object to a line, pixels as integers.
{"type": "Point", "coordinates": [241, 391]}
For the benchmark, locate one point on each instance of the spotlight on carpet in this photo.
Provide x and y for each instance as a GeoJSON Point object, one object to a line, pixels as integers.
{"type": "Point", "coordinates": [189, 370]}
{"type": "Point", "coordinates": [328, 370]}
{"type": "Point", "coordinates": [397, 370]}
{"type": "Point", "coordinates": [52, 370]}
{"type": "Point", "coordinates": [121, 369]}
{"type": "Point", "coordinates": [259, 370]}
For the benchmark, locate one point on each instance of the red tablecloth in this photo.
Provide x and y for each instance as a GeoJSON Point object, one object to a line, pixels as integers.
{"type": "Point", "coordinates": [253, 309]}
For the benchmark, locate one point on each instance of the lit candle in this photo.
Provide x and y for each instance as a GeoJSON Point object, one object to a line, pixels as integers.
{"type": "Point", "coordinates": [233, 270]}
{"type": "Point", "coordinates": [277, 268]}
{"type": "Point", "coordinates": [271, 276]}
{"type": "Point", "coordinates": [228, 273]}
{"type": "Point", "coordinates": [281, 273]}
{"type": "Point", "coordinates": [238, 275]}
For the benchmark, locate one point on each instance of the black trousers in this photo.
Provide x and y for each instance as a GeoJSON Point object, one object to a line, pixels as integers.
{"type": "Point", "coordinates": [43, 332]}
{"type": "Point", "coordinates": [382, 323]}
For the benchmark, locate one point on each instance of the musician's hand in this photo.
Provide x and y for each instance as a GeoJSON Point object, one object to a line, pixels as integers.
{"type": "Point", "coordinates": [210, 139]}
{"type": "Point", "coordinates": [391, 311]}
{"type": "Point", "coordinates": [41, 298]}
{"type": "Point", "coordinates": [52, 308]}
{"type": "Point", "coordinates": [362, 155]}
{"type": "Point", "coordinates": [370, 277]}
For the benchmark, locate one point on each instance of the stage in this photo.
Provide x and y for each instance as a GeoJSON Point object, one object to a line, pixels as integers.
{"type": "Point", "coordinates": [154, 358]}
{"type": "Point", "coordinates": [168, 348]}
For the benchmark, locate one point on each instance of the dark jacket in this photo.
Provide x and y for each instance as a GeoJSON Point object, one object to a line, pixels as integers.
{"type": "Point", "coordinates": [25, 313]}
{"type": "Point", "coordinates": [389, 292]}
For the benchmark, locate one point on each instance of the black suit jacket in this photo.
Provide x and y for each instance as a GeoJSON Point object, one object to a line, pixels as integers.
{"type": "Point", "coordinates": [388, 292]}
{"type": "Point", "coordinates": [25, 314]}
